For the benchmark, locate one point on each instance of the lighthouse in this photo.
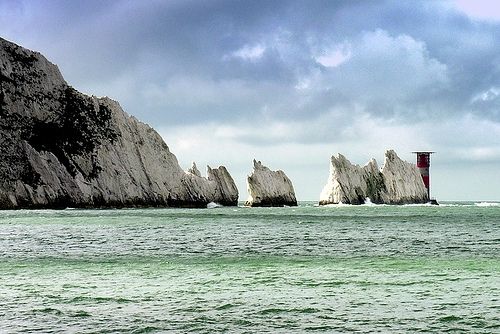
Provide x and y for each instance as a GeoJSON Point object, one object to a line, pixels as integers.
{"type": "Point", "coordinates": [423, 164]}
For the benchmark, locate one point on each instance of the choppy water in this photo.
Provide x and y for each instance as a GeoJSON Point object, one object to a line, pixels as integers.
{"type": "Point", "coordinates": [240, 270]}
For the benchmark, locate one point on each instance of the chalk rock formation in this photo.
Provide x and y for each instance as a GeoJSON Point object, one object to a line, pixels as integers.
{"type": "Point", "coordinates": [351, 184]}
{"type": "Point", "coordinates": [194, 170]}
{"type": "Point", "coordinates": [60, 148]}
{"type": "Point", "coordinates": [403, 181]}
{"type": "Point", "coordinates": [398, 182]}
{"type": "Point", "coordinates": [269, 188]}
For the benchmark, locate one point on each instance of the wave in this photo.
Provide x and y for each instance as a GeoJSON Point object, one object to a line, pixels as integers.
{"type": "Point", "coordinates": [367, 202]}
{"type": "Point", "coordinates": [338, 205]}
{"type": "Point", "coordinates": [487, 204]}
{"type": "Point", "coordinates": [213, 205]}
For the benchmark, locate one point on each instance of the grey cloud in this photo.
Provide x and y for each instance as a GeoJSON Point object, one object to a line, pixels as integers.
{"type": "Point", "coordinates": [167, 62]}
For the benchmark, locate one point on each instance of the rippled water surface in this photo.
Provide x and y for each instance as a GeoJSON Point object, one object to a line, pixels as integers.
{"type": "Point", "coordinates": [252, 270]}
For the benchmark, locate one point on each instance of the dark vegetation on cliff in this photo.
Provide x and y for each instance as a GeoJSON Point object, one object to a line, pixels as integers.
{"type": "Point", "coordinates": [55, 119]}
{"type": "Point", "coordinates": [78, 131]}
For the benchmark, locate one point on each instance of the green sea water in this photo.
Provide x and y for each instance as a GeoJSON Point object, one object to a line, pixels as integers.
{"type": "Point", "coordinates": [308, 269]}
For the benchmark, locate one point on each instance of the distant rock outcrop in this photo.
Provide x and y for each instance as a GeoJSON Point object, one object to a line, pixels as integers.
{"type": "Point", "coordinates": [269, 188]}
{"type": "Point", "coordinates": [398, 182]}
{"type": "Point", "coordinates": [194, 170]}
{"type": "Point", "coordinates": [60, 148]}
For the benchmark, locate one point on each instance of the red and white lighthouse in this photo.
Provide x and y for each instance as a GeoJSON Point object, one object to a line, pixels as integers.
{"type": "Point", "coordinates": [423, 164]}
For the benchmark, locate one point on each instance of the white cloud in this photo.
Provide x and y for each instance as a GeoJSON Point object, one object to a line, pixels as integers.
{"type": "Point", "coordinates": [488, 95]}
{"type": "Point", "coordinates": [391, 68]}
{"type": "Point", "coordinates": [335, 57]}
{"type": "Point", "coordinates": [380, 73]}
{"type": "Point", "coordinates": [479, 9]}
{"type": "Point", "coordinates": [484, 153]}
{"type": "Point", "coordinates": [465, 139]}
{"type": "Point", "coordinates": [249, 53]}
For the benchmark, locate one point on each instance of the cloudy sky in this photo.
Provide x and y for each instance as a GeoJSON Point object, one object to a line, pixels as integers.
{"type": "Point", "coordinates": [290, 82]}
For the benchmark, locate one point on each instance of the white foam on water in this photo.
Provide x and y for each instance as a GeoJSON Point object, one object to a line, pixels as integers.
{"type": "Point", "coordinates": [213, 205]}
{"type": "Point", "coordinates": [338, 205]}
{"type": "Point", "coordinates": [421, 204]}
{"type": "Point", "coordinates": [368, 202]}
{"type": "Point", "coordinates": [487, 204]}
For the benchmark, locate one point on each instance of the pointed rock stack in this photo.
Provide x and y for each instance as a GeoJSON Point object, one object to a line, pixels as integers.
{"type": "Point", "coordinates": [398, 182]}
{"type": "Point", "coordinates": [269, 188]}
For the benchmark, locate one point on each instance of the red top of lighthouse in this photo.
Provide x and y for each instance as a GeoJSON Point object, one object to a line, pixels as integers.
{"type": "Point", "coordinates": [423, 159]}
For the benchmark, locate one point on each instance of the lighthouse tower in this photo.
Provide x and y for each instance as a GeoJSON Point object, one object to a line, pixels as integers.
{"type": "Point", "coordinates": [423, 164]}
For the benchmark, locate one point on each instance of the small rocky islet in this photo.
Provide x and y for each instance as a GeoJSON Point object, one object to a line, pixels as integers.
{"type": "Point", "coordinates": [398, 182]}
{"type": "Point", "coordinates": [269, 188]}
{"type": "Point", "coordinates": [60, 148]}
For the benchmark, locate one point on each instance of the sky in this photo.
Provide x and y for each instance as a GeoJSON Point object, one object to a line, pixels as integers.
{"type": "Point", "coordinates": [290, 83]}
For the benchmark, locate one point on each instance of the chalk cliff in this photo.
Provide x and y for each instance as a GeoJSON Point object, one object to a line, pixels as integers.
{"type": "Point", "coordinates": [398, 182]}
{"type": "Point", "coordinates": [269, 188]}
{"type": "Point", "coordinates": [61, 148]}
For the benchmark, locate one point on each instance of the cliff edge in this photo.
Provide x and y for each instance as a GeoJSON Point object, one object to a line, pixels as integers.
{"type": "Point", "coordinates": [61, 148]}
{"type": "Point", "coordinates": [269, 188]}
{"type": "Point", "coordinates": [398, 182]}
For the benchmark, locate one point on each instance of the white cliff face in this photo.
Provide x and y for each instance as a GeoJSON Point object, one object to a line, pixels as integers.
{"type": "Point", "coordinates": [61, 148]}
{"type": "Point", "coordinates": [269, 188]}
{"type": "Point", "coordinates": [398, 182]}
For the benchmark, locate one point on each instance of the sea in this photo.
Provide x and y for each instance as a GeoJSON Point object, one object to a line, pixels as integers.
{"type": "Point", "coordinates": [305, 269]}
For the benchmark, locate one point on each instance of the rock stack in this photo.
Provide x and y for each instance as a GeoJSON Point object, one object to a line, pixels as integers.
{"type": "Point", "coordinates": [398, 182]}
{"type": "Point", "coordinates": [269, 188]}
